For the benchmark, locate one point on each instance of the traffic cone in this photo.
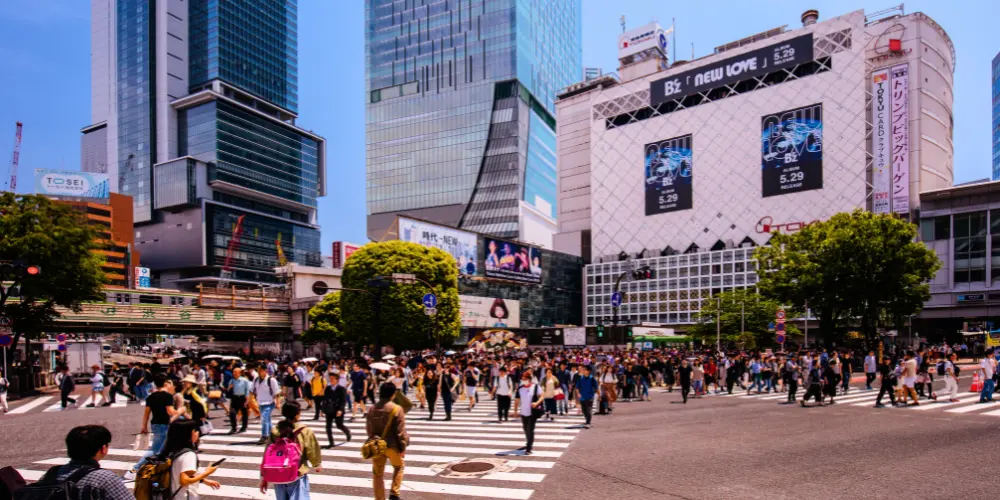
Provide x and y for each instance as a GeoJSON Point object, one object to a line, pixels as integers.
{"type": "Point", "coordinates": [977, 383]}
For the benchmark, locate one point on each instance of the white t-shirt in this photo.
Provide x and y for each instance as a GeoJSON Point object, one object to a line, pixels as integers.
{"type": "Point", "coordinates": [265, 395]}
{"type": "Point", "coordinates": [870, 364]}
{"type": "Point", "coordinates": [988, 366]}
{"type": "Point", "coordinates": [527, 396]}
{"type": "Point", "coordinates": [185, 462]}
{"type": "Point", "coordinates": [503, 385]}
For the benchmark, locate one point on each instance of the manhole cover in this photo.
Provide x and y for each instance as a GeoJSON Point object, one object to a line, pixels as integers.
{"type": "Point", "coordinates": [466, 467]}
{"type": "Point", "coordinates": [473, 468]}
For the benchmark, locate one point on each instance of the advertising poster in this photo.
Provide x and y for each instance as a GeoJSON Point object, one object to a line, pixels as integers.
{"type": "Point", "coordinates": [786, 54]}
{"type": "Point", "coordinates": [668, 175]}
{"type": "Point", "coordinates": [70, 183]}
{"type": "Point", "coordinates": [142, 277]}
{"type": "Point", "coordinates": [575, 337]}
{"type": "Point", "coordinates": [511, 261]}
{"type": "Point", "coordinates": [545, 337]}
{"type": "Point", "coordinates": [900, 85]}
{"type": "Point", "coordinates": [461, 245]}
{"type": "Point", "coordinates": [881, 154]}
{"type": "Point", "coordinates": [489, 312]}
{"type": "Point", "coordinates": [792, 151]}
{"type": "Point", "coordinates": [341, 251]}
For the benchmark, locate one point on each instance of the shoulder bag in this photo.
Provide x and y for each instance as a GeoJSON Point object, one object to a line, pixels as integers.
{"type": "Point", "coordinates": [375, 446]}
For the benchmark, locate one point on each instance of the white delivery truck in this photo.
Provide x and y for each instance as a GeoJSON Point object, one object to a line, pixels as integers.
{"type": "Point", "coordinates": [80, 355]}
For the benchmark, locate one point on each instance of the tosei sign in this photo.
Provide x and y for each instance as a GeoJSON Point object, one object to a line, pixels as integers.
{"type": "Point", "coordinates": [68, 183]}
{"type": "Point", "coordinates": [758, 62]}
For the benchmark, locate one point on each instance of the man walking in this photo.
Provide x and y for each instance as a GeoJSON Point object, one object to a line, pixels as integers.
{"type": "Point", "coordinates": [871, 367]}
{"type": "Point", "coordinates": [265, 389]}
{"type": "Point", "coordinates": [333, 401]}
{"type": "Point", "coordinates": [791, 372]}
{"type": "Point", "coordinates": [586, 388]}
{"type": "Point", "coordinates": [66, 387]}
{"type": "Point", "coordinates": [239, 387]}
{"type": "Point", "coordinates": [988, 366]}
{"type": "Point", "coordinates": [909, 378]}
{"type": "Point", "coordinates": [86, 446]}
{"type": "Point", "coordinates": [388, 420]}
{"type": "Point", "coordinates": [503, 387]}
{"type": "Point", "coordinates": [529, 397]}
{"type": "Point", "coordinates": [888, 383]}
{"type": "Point", "coordinates": [947, 371]}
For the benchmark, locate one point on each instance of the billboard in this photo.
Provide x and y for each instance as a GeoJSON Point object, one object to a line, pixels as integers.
{"type": "Point", "coordinates": [489, 312]}
{"type": "Point", "coordinates": [881, 153]}
{"type": "Point", "coordinates": [758, 62]}
{"type": "Point", "coordinates": [341, 251]}
{"type": "Point", "coordinates": [668, 175]}
{"type": "Point", "coordinates": [462, 245]}
{"type": "Point", "coordinates": [645, 37]}
{"type": "Point", "coordinates": [575, 337]}
{"type": "Point", "coordinates": [792, 151]}
{"type": "Point", "coordinates": [70, 183]}
{"type": "Point", "coordinates": [512, 261]}
{"type": "Point", "coordinates": [900, 85]}
{"type": "Point", "coordinates": [142, 277]}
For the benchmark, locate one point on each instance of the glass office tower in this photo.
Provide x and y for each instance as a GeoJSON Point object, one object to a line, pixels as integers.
{"type": "Point", "coordinates": [460, 118]}
{"type": "Point", "coordinates": [197, 101]}
{"type": "Point", "coordinates": [996, 117]}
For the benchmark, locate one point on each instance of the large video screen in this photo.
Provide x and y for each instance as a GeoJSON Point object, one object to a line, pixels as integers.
{"type": "Point", "coordinates": [511, 261]}
{"type": "Point", "coordinates": [668, 175]}
{"type": "Point", "coordinates": [462, 245]}
{"type": "Point", "coordinates": [792, 151]}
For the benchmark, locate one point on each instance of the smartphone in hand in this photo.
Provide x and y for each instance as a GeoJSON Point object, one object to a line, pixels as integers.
{"type": "Point", "coordinates": [218, 463]}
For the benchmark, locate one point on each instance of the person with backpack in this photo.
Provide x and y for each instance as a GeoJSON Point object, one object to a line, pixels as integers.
{"type": "Point", "coordinates": [82, 478]}
{"type": "Point", "coordinates": [387, 421]}
{"type": "Point", "coordinates": [97, 382]}
{"type": "Point", "coordinates": [333, 401]}
{"type": "Point", "coordinates": [586, 388]}
{"type": "Point", "coordinates": [173, 473]}
{"type": "Point", "coordinates": [267, 392]}
{"type": "Point", "coordinates": [159, 409]}
{"type": "Point", "coordinates": [291, 448]}
{"type": "Point", "coordinates": [815, 381]}
{"type": "Point", "coordinates": [946, 370]}
{"type": "Point", "coordinates": [888, 383]}
{"type": "Point", "coordinates": [529, 402]}
{"type": "Point", "coordinates": [503, 388]}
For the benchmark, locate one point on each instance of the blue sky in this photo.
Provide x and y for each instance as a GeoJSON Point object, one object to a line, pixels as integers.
{"type": "Point", "coordinates": [45, 83]}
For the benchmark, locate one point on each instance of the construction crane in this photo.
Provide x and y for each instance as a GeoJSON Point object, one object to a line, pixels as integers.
{"type": "Point", "coordinates": [14, 161]}
{"type": "Point", "coordinates": [227, 267]}
{"type": "Point", "coordinates": [126, 169]}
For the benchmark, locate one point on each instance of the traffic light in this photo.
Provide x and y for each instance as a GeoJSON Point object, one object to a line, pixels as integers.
{"type": "Point", "coordinates": [643, 273]}
{"type": "Point", "coordinates": [16, 270]}
{"type": "Point", "coordinates": [628, 331]}
{"type": "Point", "coordinates": [600, 331]}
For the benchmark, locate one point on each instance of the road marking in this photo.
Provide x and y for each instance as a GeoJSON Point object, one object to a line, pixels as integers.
{"type": "Point", "coordinates": [942, 403]}
{"type": "Point", "coordinates": [492, 425]}
{"type": "Point", "coordinates": [460, 443]}
{"type": "Point", "coordinates": [25, 408]}
{"type": "Point", "coordinates": [973, 407]}
{"type": "Point", "coordinates": [488, 432]}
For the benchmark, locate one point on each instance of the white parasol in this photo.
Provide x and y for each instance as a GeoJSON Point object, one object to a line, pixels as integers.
{"type": "Point", "coordinates": [380, 366]}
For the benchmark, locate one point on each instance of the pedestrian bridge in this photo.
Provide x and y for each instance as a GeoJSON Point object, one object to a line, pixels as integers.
{"type": "Point", "coordinates": [152, 319]}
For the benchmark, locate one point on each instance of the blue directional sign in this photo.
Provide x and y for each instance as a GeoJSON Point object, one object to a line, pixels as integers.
{"type": "Point", "coordinates": [430, 301]}
{"type": "Point", "coordinates": [616, 299]}
{"type": "Point", "coordinates": [770, 326]}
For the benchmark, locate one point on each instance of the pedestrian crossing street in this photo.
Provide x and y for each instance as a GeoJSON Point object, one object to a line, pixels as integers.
{"type": "Point", "coordinates": [967, 404]}
{"type": "Point", "coordinates": [433, 445]}
{"type": "Point", "coordinates": [47, 404]}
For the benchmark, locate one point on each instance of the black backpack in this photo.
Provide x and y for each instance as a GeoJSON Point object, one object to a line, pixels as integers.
{"type": "Point", "coordinates": [940, 369]}
{"type": "Point", "coordinates": [48, 488]}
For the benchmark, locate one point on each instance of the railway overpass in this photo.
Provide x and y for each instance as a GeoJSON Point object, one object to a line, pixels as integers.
{"type": "Point", "coordinates": [154, 319]}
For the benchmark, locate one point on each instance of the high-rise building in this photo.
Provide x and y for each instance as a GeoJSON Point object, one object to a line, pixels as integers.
{"type": "Point", "coordinates": [996, 117]}
{"type": "Point", "coordinates": [193, 108]}
{"type": "Point", "coordinates": [460, 114]}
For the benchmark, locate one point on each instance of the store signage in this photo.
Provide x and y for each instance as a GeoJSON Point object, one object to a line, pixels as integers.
{"type": "Point", "coordinates": [668, 175]}
{"type": "Point", "coordinates": [639, 39]}
{"type": "Point", "coordinates": [900, 105]}
{"type": "Point", "coordinates": [142, 277]}
{"type": "Point", "coordinates": [462, 245]}
{"type": "Point", "coordinates": [792, 151]}
{"type": "Point", "coordinates": [972, 297]}
{"type": "Point", "coordinates": [758, 62]}
{"type": "Point", "coordinates": [766, 225]}
{"type": "Point", "coordinates": [70, 183]}
{"type": "Point", "coordinates": [341, 251]}
{"type": "Point", "coordinates": [881, 152]}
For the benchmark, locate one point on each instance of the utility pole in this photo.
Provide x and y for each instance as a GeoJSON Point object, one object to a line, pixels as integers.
{"type": "Point", "coordinates": [718, 324]}
{"type": "Point", "coordinates": [743, 327]}
{"type": "Point", "coordinates": [807, 325]}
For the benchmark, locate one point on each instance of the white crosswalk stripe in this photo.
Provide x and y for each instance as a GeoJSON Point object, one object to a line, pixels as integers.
{"type": "Point", "coordinates": [345, 476]}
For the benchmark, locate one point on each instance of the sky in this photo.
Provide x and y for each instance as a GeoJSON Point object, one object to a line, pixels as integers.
{"type": "Point", "coordinates": [45, 81]}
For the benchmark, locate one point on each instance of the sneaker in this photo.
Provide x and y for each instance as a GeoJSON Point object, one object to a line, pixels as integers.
{"type": "Point", "coordinates": [91, 405]}
{"type": "Point", "coordinates": [129, 475]}
{"type": "Point", "coordinates": [527, 453]}
{"type": "Point", "coordinates": [879, 405]}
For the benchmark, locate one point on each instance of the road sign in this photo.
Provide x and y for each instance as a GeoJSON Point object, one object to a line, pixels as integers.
{"type": "Point", "coordinates": [781, 328]}
{"type": "Point", "coordinates": [780, 315]}
{"type": "Point", "coordinates": [616, 299]}
{"type": "Point", "coordinates": [430, 301]}
{"type": "Point", "coordinates": [61, 337]}
{"type": "Point", "coordinates": [780, 338]}
{"type": "Point", "coordinates": [61, 347]}
{"type": "Point", "coordinates": [770, 326]}
{"type": "Point", "coordinates": [6, 340]}
{"type": "Point", "coordinates": [430, 311]}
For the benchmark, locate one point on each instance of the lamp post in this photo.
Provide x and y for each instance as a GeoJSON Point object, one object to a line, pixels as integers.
{"type": "Point", "coordinates": [718, 324]}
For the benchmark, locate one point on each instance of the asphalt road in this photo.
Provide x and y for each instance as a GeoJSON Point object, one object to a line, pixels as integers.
{"type": "Point", "coordinates": [711, 448]}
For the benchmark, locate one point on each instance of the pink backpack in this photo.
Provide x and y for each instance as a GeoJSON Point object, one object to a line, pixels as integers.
{"type": "Point", "coordinates": [281, 460]}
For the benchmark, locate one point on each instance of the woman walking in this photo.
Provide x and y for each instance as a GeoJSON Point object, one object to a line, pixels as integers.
{"type": "Point", "coordinates": [432, 383]}
{"type": "Point", "coordinates": [290, 428]}
{"type": "Point", "coordinates": [549, 388]}
{"type": "Point", "coordinates": [529, 398]}
{"type": "Point", "coordinates": [697, 378]}
{"type": "Point", "coordinates": [181, 448]}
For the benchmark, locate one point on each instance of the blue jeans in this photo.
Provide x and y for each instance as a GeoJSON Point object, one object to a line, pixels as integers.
{"type": "Point", "coordinates": [564, 404]}
{"type": "Point", "coordinates": [156, 446]}
{"type": "Point", "coordinates": [298, 490]}
{"type": "Point", "coordinates": [987, 394]}
{"type": "Point", "coordinates": [758, 383]}
{"type": "Point", "coordinates": [265, 421]}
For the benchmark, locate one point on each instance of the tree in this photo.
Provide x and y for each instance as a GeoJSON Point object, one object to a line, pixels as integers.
{"type": "Point", "coordinates": [59, 240]}
{"type": "Point", "coordinates": [402, 322]}
{"type": "Point", "coordinates": [325, 321]}
{"type": "Point", "coordinates": [740, 308]}
{"type": "Point", "coordinates": [860, 265]}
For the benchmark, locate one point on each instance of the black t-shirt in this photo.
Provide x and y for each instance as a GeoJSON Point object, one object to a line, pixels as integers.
{"type": "Point", "coordinates": [157, 403]}
{"type": "Point", "coordinates": [685, 374]}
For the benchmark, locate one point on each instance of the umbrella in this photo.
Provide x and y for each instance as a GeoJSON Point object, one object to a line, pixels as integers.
{"type": "Point", "coordinates": [212, 356]}
{"type": "Point", "coordinates": [389, 356]}
{"type": "Point", "coordinates": [380, 366]}
{"type": "Point", "coordinates": [449, 353]}
{"type": "Point", "coordinates": [235, 358]}
{"type": "Point", "coordinates": [309, 360]}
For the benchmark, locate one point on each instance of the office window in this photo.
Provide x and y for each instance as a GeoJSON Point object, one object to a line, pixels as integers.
{"type": "Point", "coordinates": [970, 247]}
{"type": "Point", "coordinates": [935, 228]}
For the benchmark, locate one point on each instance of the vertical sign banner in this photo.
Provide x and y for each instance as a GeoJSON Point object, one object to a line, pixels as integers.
{"type": "Point", "coordinates": [668, 175]}
{"type": "Point", "coordinates": [792, 151]}
{"type": "Point", "coordinates": [142, 277]}
{"type": "Point", "coordinates": [881, 152]}
{"type": "Point", "coordinates": [900, 105]}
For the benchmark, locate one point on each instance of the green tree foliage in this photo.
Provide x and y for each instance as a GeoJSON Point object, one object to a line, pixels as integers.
{"type": "Point", "coordinates": [403, 322]}
{"type": "Point", "coordinates": [325, 321]}
{"type": "Point", "coordinates": [861, 265]}
{"type": "Point", "coordinates": [35, 230]}
{"type": "Point", "coordinates": [757, 313]}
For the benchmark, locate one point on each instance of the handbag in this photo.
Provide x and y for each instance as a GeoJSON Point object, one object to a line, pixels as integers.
{"type": "Point", "coordinates": [560, 395]}
{"type": "Point", "coordinates": [537, 410]}
{"type": "Point", "coordinates": [216, 394]}
{"type": "Point", "coordinates": [402, 401]}
{"type": "Point", "coordinates": [375, 446]}
{"type": "Point", "coordinates": [206, 428]}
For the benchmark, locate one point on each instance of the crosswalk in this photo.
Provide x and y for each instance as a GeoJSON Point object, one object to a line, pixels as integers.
{"type": "Point", "coordinates": [967, 404]}
{"type": "Point", "coordinates": [48, 404]}
{"type": "Point", "coordinates": [434, 445]}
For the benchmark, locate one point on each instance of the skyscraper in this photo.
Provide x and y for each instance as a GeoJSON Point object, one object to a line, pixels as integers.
{"type": "Point", "coordinates": [193, 108]}
{"type": "Point", "coordinates": [460, 116]}
{"type": "Point", "coordinates": [996, 117]}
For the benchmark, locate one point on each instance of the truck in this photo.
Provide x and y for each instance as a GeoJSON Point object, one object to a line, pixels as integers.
{"type": "Point", "coordinates": [81, 355]}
